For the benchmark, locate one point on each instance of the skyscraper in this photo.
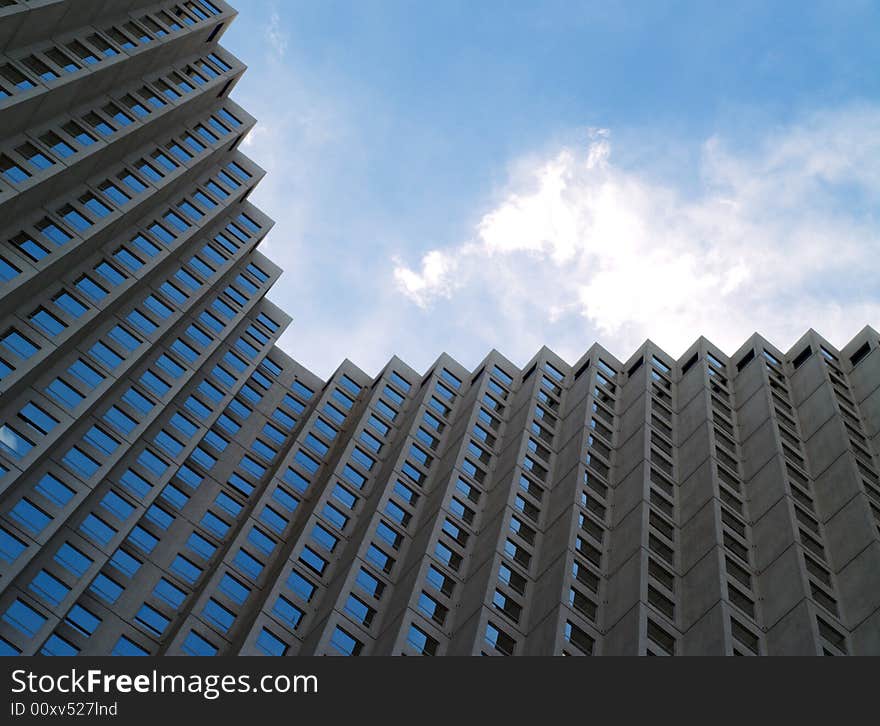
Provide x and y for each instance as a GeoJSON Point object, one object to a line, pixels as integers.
{"type": "Point", "coordinates": [171, 482]}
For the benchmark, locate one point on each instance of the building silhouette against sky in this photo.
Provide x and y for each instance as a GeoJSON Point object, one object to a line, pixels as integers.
{"type": "Point", "coordinates": [171, 482]}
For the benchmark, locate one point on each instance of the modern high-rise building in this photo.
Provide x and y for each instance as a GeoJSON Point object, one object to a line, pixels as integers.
{"type": "Point", "coordinates": [171, 482]}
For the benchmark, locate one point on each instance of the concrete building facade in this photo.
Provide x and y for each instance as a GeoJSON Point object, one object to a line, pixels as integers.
{"type": "Point", "coordinates": [173, 483]}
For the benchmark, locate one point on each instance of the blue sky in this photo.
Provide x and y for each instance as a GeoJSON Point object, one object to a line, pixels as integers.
{"type": "Point", "coordinates": [462, 176]}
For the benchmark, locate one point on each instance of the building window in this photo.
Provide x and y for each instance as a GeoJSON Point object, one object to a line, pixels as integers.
{"type": "Point", "coordinates": [344, 643]}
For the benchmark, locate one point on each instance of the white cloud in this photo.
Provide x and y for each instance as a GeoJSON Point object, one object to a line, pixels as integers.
{"type": "Point", "coordinates": [778, 238]}
{"type": "Point", "coordinates": [275, 36]}
{"type": "Point", "coordinates": [436, 277]}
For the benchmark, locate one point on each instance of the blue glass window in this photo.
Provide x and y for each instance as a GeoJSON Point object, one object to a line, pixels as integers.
{"type": "Point", "coordinates": [124, 646]}
{"type": "Point", "coordinates": [75, 219]}
{"type": "Point", "coordinates": [71, 559]}
{"type": "Point", "coordinates": [200, 546]}
{"type": "Point", "coordinates": [158, 516]}
{"type": "Point", "coordinates": [271, 644]}
{"type": "Point", "coordinates": [169, 593]}
{"type": "Point", "coordinates": [214, 524]}
{"type": "Point", "coordinates": [47, 322]}
{"type": "Point", "coordinates": [97, 529]}
{"type": "Point", "coordinates": [369, 583]}
{"type": "Point", "coordinates": [24, 618]}
{"type": "Point", "coordinates": [233, 589]}
{"type": "Point", "coordinates": [220, 616]}
{"type": "Point", "coordinates": [125, 563]}
{"type": "Point", "coordinates": [8, 271]}
{"type": "Point", "coordinates": [91, 288]}
{"type": "Point", "coordinates": [301, 586]}
{"type": "Point", "coordinates": [312, 560]}
{"type": "Point", "coordinates": [143, 539]}
{"type": "Point", "coordinates": [14, 443]}
{"type": "Point", "coordinates": [99, 351]}
{"type": "Point", "coordinates": [263, 542]}
{"type": "Point", "coordinates": [185, 569]}
{"type": "Point", "coordinates": [249, 564]}
{"type": "Point", "coordinates": [196, 645]}
{"type": "Point", "coordinates": [49, 588]}
{"type": "Point", "coordinates": [344, 643]}
{"type": "Point", "coordinates": [64, 394]}
{"type": "Point", "coordinates": [70, 304]}
{"type": "Point", "coordinates": [135, 483]}
{"type": "Point", "coordinates": [105, 588]}
{"type": "Point", "coordinates": [274, 520]}
{"type": "Point", "coordinates": [81, 463]}
{"type": "Point", "coordinates": [355, 607]}
{"type": "Point", "coordinates": [289, 613]}
{"type": "Point", "coordinates": [117, 506]}
{"type": "Point", "coordinates": [30, 516]}
{"type": "Point", "coordinates": [16, 343]}
{"type": "Point", "coordinates": [324, 538]}
{"type": "Point", "coordinates": [152, 619]}
{"type": "Point", "coordinates": [57, 646]}
{"type": "Point", "coordinates": [82, 620]}
{"type": "Point", "coordinates": [10, 547]}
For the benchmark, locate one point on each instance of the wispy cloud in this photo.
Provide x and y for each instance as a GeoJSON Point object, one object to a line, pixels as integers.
{"type": "Point", "coordinates": [778, 237]}
{"type": "Point", "coordinates": [275, 35]}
